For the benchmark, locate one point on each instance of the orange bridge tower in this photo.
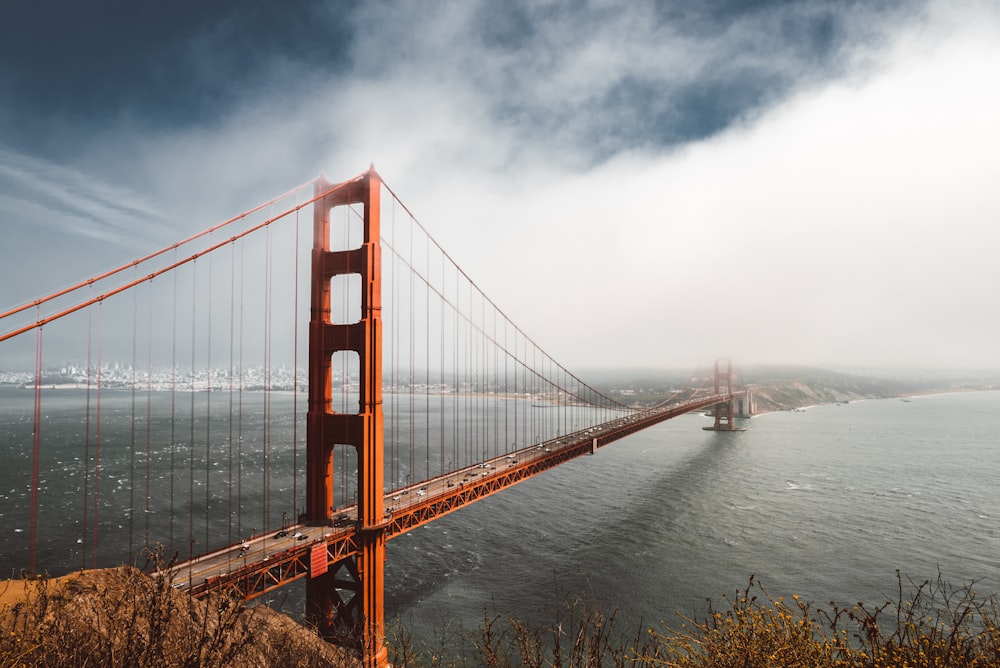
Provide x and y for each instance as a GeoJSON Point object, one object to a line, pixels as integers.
{"type": "Point", "coordinates": [345, 598]}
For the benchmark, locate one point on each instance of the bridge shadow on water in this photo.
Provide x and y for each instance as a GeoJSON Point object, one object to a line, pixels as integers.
{"type": "Point", "coordinates": [615, 527]}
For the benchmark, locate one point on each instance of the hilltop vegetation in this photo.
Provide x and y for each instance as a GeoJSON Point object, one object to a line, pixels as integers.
{"type": "Point", "coordinates": [121, 617]}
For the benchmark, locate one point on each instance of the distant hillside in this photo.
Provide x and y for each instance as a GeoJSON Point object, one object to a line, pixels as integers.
{"type": "Point", "coordinates": [787, 387]}
{"type": "Point", "coordinates": [784, 388]}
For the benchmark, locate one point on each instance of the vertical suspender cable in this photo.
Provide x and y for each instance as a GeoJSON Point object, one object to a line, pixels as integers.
{"type": "Point", "coordinates": [484, 376]}
{"type": "Point", "coordinates": [131, 475]}
{"type": "Point", "coordinates": [553, 389]}
{"type": "Point", "coordinates": [411, 334]}
{"type": "Point", "coordinates": [193, 388]}
{"type": "Point", "coordinates": [455, 442]}
{"type": "Point", "coordinates": [149, 415]}
{"type": "Point", "coordinates": [564, 403]}
{"type": "Point", "coordinates": [481, 371]}
{"type": "Point", "coordinates": [481, 418]}
{"type": "Point", "coordinates": [239, 421]}
{"type": "Point", "coordinates": [36, 451]}
{"type": "Point", "coordinates": [97, 432]}
{"type": "Point", "coordinates": [506, 390]}
{"type": "Point", "coordinates": [516, 397]}
{"type": "Point", "coordinates": [268, 269]}
{"type": "Point", "coordinates": [208, 408]}
{"type": "Point", "coordinates": [394, 348]}
{"type": "Point", "coordinates": [295, 379]}
{"type": "Point", "coordinates": [441, 380]}
{"type": "Point", "coordinates": [232, 350]}
{"type": "Point", "coordinates": [86, 444]}
{"type": "Point", "coordinates": [427, 362]}
{"type": "Point", "coordinates": [536, 416]}
{"type": "Point", "coordinates": [173, 413]}
{"type": "Point", "coordinates": [494, 387]}
{"type": "Point", "coordinates": [553, 377]}
{"type": "Point", "coordinates": [470, 453]}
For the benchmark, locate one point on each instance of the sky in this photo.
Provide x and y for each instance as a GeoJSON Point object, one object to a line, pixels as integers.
{"type": "Point", "coordinates": [636, 184]}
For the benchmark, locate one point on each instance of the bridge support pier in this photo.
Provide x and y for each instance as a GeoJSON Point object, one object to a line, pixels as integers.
{"type": "Point", "coordinates": [361, 616]}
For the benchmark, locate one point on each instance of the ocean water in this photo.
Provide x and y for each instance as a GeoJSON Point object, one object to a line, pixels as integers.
{"type": "Point", "coordinates": [826, 503]}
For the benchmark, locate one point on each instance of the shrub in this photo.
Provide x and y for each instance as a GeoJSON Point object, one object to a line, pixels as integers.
{"type": "Point", "coordinates": [124, 617]}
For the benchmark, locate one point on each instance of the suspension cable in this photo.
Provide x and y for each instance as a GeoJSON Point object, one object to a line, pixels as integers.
{"type": "Point", "coordinates": [159, 272]}
{"type": "Point", "coordinates": [135, 263]}
{"type": "Point", "coordinates": [430, 238]}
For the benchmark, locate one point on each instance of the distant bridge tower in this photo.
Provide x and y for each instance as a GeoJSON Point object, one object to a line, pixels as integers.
{"type": "Point", "coordinates": [345, 598]}
{"type": "Point", "coordinates": [744, 407]}
{"type": "Point", "coordinates": [724, 412]}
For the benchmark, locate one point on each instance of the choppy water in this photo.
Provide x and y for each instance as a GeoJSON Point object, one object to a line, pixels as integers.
{"type": "Point", "coordinates": [825, 503]}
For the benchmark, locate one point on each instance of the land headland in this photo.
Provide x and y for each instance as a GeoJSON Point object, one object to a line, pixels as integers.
{"type": "Point", "coordinates": [786, 387]}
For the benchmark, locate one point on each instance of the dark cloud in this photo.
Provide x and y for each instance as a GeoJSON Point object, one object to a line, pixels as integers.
{"type": "Point", "coordinates": [78, 69]}
{"type": "Point", "coordinates": [94, 65]}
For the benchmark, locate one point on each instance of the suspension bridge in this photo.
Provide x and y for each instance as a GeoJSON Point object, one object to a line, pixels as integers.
{"type": "Point", "coordinates": [265, 405]}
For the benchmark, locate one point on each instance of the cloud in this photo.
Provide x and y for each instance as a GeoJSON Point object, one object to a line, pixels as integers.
{"type": "Point", "coordinates": [848, 222]}
{"type": "Point", "coordinates": [575, 86]}
{"type": "Point", "coordinates": [41, 193]}
{"type": "Point", "coordinates": [804, 182]}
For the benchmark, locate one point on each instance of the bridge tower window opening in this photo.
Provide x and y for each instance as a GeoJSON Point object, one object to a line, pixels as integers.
{"type": "Point", "coordinates": [347, 226]}
{"type": "Point", "coordinates": [345, 382]}
{"type": "Point", "coordinates": [346, 308]}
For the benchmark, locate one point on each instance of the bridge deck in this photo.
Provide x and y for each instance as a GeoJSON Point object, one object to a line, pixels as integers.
{"type": "Point", "coordinates": [257, 566]}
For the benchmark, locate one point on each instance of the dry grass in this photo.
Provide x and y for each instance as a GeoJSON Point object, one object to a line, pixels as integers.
{"type": "Point", "coordinates": [929, 625]}
{"type": "Point", "coordinates": [123, 617]}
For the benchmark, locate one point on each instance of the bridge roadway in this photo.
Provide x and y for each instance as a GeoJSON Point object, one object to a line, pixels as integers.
{"type": "Point", "coordinates": [266, 562]}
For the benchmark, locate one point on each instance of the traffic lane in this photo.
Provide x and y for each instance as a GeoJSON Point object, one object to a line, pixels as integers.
{"type": "Point", "coordinates": [251, 551]}
{"type": "Point", "coordinates": [262, 548]}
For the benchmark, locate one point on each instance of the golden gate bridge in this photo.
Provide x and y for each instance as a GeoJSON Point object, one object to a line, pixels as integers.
{"type": "Point", "coordinates": [267, 419]}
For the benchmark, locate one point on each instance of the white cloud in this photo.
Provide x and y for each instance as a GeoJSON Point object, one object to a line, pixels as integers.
{"type": "Point", "coordinates": [852, 223]}
{"type": "Point", "coordinates": [849, 221]}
